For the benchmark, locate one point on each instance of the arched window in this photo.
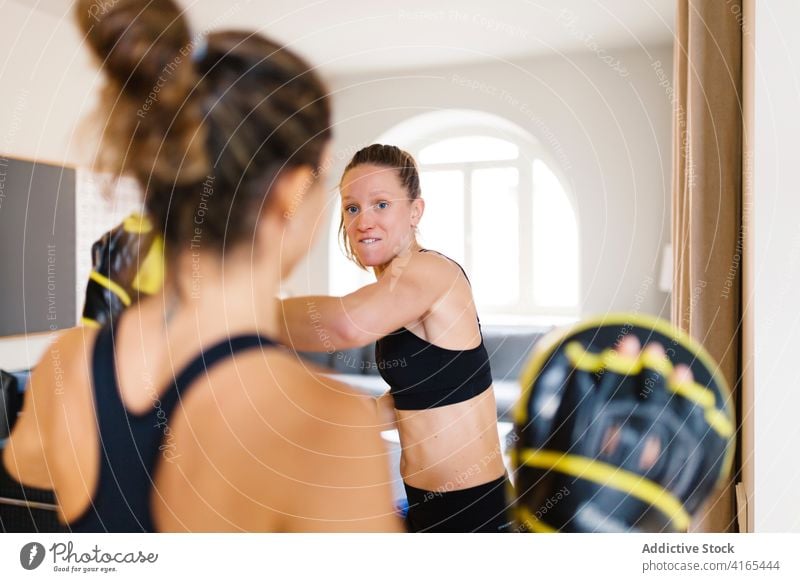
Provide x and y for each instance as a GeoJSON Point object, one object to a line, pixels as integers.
{"type": "Point", "coordinates": [495, 202]}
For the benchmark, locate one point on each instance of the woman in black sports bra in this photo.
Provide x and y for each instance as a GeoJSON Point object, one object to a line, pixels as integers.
{"type": "Point", "coordinates": [429, 348]}
{"type": "Point", "coordinates": [183, 414]}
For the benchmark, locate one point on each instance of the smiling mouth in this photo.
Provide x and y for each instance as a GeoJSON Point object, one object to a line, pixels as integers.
{"type": "Point", "coordinates": [369, 241]}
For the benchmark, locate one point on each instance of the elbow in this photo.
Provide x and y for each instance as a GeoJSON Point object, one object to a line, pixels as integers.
{"type": "Point", "coordinates": [25, 463]}
{"type": "Point", "coordinates": [347, 335]}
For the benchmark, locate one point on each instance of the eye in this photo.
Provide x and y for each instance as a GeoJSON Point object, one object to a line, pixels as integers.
{"type": "Point", "coordinates": [383, 205]}
{"type": "Point", "coordinates": [351, 210]}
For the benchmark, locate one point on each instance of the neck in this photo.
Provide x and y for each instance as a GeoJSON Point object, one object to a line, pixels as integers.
{"type": "Point", "coordinates": [223, 297]}
{"type": "Point", "coordinates": [401, 258]}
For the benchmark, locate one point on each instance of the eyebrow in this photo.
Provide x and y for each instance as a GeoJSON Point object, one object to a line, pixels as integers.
{"type": "Point", "coordinates": [372, 194]}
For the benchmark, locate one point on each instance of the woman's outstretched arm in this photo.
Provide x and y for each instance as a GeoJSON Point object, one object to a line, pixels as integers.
{"type": "Point", "coordinates": [399, 297]}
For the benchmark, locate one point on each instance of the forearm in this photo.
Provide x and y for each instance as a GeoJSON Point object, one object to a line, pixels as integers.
{"type": "Point", "coordinates": [23, 456]}
{"type": "Point", "coordinates": [324, 323]}
{"type": "Point", "coordinates": [312, 323]}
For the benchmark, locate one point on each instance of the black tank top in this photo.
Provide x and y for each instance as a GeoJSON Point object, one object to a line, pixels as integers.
{"type": "Point", "coordinates": [422, 375]}
{"type": "Point", "coordinates": [131, 445]}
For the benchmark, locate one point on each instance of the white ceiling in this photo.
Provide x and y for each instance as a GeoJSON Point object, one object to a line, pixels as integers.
{"type": "Point", "coordinates": [348, 36]}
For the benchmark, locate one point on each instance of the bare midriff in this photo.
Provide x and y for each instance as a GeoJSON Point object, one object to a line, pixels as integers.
{"type": "Point", "coordinates": [451, 447]}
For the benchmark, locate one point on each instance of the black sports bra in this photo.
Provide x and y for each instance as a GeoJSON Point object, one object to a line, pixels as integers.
{"type": "Point", "coordinates": [422, 375]}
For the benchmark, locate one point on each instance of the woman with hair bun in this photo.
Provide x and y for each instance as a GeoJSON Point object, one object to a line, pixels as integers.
{"type": "Point", "coordinates": [182, 414]}
{"type": "Point", "coordinates": [429, 348]}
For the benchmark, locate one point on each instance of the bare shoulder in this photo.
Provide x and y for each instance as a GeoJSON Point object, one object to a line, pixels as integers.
{"type": "Point", "coordinates": [435, 261]}
{"type": "Point", "coordinates": [426, 269]}
{"type": "Point", "coordinates": [71, 343]}
{"type": "Point", "coordinates": [68, 354]}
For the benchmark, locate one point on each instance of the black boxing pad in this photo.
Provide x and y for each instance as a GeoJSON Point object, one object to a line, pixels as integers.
{"type": "Point", "coordinates": [608, 443]}
{"type": "Point", "coordinates": [127, 262]}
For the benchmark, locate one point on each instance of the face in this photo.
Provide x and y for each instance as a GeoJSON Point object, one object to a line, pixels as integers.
{"type": "Point", "coordinates": [379, 218]}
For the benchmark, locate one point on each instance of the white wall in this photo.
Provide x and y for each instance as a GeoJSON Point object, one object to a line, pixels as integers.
{"type": "Point", "coordinates": [611, 134]}
{"type": "Point", "coordinates": [776, 276]}
{"type": "Point", "coordinates": [48, 84]}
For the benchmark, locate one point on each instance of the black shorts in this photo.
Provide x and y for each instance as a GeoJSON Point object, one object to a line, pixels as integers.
{"type": "Point", "coordinates": [482, 508]}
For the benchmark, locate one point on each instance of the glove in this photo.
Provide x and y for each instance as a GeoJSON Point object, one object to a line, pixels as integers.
{"type": "Point", "coordinates": [128, 261]}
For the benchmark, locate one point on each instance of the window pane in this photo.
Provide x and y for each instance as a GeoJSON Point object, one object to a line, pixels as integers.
{"type": "Point", "coordinates": [442, 224]}
{"type": "Point", "coordinates": [474, 148]}
{"type": "Point", "coordinates": [495, 237]}
{"type": "Point", "coordinates": [555, 242]}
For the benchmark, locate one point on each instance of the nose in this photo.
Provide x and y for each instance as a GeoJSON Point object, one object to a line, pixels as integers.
{"type": "Point", "coordinates": [365, 220]}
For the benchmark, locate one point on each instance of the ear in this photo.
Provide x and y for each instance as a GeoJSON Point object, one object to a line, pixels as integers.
{"type": "Point", "coordinates": [417, 210]}
{"type": "Point", "coordinates": [289, 190]}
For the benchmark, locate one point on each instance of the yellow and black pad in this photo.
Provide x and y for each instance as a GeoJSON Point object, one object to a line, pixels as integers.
{"type": "Point", "coordinates": [127, 262]}
{"type": "Point", "coordinates": [608, 443]}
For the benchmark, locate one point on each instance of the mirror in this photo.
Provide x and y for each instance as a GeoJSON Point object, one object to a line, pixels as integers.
{"type": "Point", "coordinates": [543, 131]}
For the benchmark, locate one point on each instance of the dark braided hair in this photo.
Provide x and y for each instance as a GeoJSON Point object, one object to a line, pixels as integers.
{"type": "Point", "coordinates": [205, 125]}
{"type": "Point", "coordinates": [387, 156]}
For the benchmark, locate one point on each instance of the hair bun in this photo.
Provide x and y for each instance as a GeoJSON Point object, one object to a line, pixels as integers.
{"type": "Point", "coordinates": [138, 42]}
{"type": "Point", "coordinates": [144, 48]}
